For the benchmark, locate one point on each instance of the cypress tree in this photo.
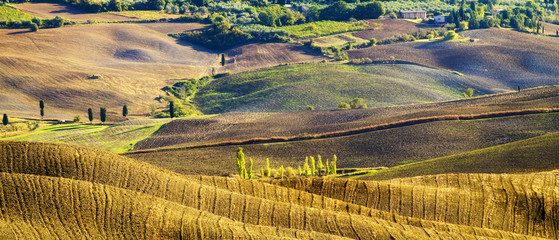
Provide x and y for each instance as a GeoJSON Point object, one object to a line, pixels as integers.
{"type": "Point", "coordinates": [320, 166]}
{"type": "Point", "coordinates": [250, 168]}
{"type": "Point", "coordinates": [268, 170]}
{"type": "Point", "coordinates": [222, 59]}
{"type": "Point", "coordinates": [5, 122]}
{"type": "Point", "coordinates": [327, 167]}
{"type": "Point", "coordinates": [42, 106]}
{"type": "Point", "coordinates": [241, 162]}
{"type": "Point", "coordinates": [90, 115]}
{"type": "Point", "coordinates": [300, 171]}
{"type": "Point", "coordinates": [334, 168]}
{"type": "Point", "coordinates": [172, 109]}
{"type": "Point", "coordinates": [313, 166]}
{"type": "Point", "coordinates": [103, 114]}
{"type": "Point", "coordinates": [262, 172]}
{"type": "Point", "coordinates": [281, 170]}
{"type": "Point", "coordinates": [124, 111]}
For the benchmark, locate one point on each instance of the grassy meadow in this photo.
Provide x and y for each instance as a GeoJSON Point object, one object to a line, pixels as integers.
{"type": "Point", "coordinates": [323, 28]}
{"type": "Point", "coordinates": [116, 138]}
{"type": "Point", "coordinates": [324, 85]}
{"type": "Point", "coordinates": [8, 13]}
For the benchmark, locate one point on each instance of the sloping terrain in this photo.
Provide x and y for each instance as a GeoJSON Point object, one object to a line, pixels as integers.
{"type": "Point", "coordinates": [381, 148]}
{"type": "Point", "coordinates": [243, 126]}
{"type": "Point", "coordinates": [499, 60]}
{"type": "Point", "coordinates": [530, 154]}
{"type": "Point", "coordinates": [261, 55]}
{"type": "Point", "coordinates": [129, 64]}
{"type": "Point", "coordinates": [389, 28]}
{"type": "Point", "coordinates": [60, 191]}
{"type": "Point", "coordinates": [51, 10]}
{"type": "Point", "coordinates": [324, 85]}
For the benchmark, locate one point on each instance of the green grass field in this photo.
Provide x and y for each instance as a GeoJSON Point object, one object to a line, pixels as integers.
{"type": "Point", "coordinates": [324, 85]}
{"type": "Point", "coordinates": [527, 155]}
{"type": "Point", "coordinates": [8, 13]}
{"type": "Point", "coordinates": [323, 28]}
{"type": "Point", "coordinates": [116, 138]}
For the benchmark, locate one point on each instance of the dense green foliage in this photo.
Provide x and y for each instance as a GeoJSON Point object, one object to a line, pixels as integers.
{"type": "Point", "coordinates": [322, 28]}
{"type": "Point", "coordinates": [221, 35]}
{"type": "Point", "coordinates": [294, 87]}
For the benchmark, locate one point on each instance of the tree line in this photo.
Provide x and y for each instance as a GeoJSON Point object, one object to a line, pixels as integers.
{"type": "Point", "coordinates": [311, 168]}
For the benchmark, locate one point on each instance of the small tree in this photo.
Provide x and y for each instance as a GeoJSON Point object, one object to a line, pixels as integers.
{"type": "Point", "coordinates": [343, 105]}
{"type": "Point", "coordinates": [469, 93]}
{"type": "Point", "coordinates": [300, 171]}
{"type": "Point", "coordinates": [90, 115]}
{"type": "Point", "coordinates": [222, 59]}
{"type": "Point", "coordinates": [313, 166]}
{"type": "Point", "coordinates": [103, 114]}
{"type": "Point", "coordinates": [281, 170]}
{"type": "Point", "coordinates": [42, 107]}
{"type": "Point", "coordinates": [5, 122]}
{"type": "Point", "coordinates": [320, 165]}
{"type": "Point", "coordinates": [372, 42]}
{"type": "Point", "coordinates": [33, 27]}
{"type": "Point", "coordinates": [357, 103]}
{"type": "Point", "coordinates": [449, 35]}
{"type": "Point", "coordinates": [241, 163]}
{"type": "Point", "coordinates": [310, 108]}
{"type": "Point", "coordinates": [124, 111]}
{"type": "Point", "coordinates": [290, 172]}
{"type": "Point", "coordinates": [268, 170]}
{"type": "Point", "coordinates": [262, 172]}
{"type": "Point", "coordinates": [327, 167]}
{"type": "Point", "coordinates": [249, 173]}
{"type": "Point", "coordinates": [172, 109]}
{"type": "Point", "coordinates": [334, 168]}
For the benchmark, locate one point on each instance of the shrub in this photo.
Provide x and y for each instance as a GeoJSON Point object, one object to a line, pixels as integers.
{"type": "Point", "coordinates": [343, 105]}
{"type": "Point", "coordinates": [77, 119]}
{"type": "Point", "coordinates": [463, 26]}
{"type": "Point", "coordinates": [357, 103]}
{"type": "Point", "coordinates": [450, 35]}
{"type": "Point", "coordinates": [33, 27]}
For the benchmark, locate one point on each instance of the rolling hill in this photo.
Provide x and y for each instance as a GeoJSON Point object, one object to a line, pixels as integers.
{"type": "Point", "coordinates": [498, 60]}
{"type": "Point", "coordinates": [244, 126]}
{"type": "Point", "coordinates": [526, 155]}
{"type": "Point", "coordinates": [294, 87]}
{"type": "Point", "coordinates": [67, 192]}
{"type": "Point", "coordinates": [380, 148]}
{"type": "Point", "coordinates": [130, 64]}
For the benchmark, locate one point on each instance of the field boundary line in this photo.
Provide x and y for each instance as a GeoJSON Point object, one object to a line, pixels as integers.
{"type": "Point", "coordinates": [366, 129]}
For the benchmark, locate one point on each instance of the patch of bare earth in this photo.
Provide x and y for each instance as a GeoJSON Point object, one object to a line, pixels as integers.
{"type": "Point", "coordinates": [261, 55]}
{"type": "Point", "coordinates": [51, 10]}
{"type": "Point", "coordinates": [106, 65]}
{"type": "Point", "coordinates": [499, 59]}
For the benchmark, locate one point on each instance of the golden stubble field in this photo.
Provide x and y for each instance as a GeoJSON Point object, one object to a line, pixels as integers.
{"type": "Point", "coordinates": [66, 192]}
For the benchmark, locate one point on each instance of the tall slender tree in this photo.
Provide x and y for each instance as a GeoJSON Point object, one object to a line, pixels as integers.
{"type": "Point", "coordinates": [90, 115]}
{"type": "Point", "coordinates": [222, 59]}
{"type": "Point", "coordinates": [172, 109]}
{"type": "Point", "coordinates": [103, 114]}
{"type": "Point", "coordinates": [124, 111]}
{"type": "Point", "coordinates": [5, 122]}
{"type": "Point", "coordinates": [42, 106]}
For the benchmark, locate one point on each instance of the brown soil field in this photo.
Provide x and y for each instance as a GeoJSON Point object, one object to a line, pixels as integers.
{"type": "Point", "coordinates": [390, 28]}
{"type": "Point", "coordinates": [61, 191]}
{"type": "Point", "coordinates": [498, 60]}
{"type": "Point", "coordinates": [261, 55]}
{"type": "Point", "coordinates": [132, 61]}
{"type": "Point", "coordinates": [51, 10]}
{"type": "Point", "coordinates": [384, 148]}
{"type": "Point", "coordinates": [167, 28]}
{"type": "Point", "coordinates": [244, 126]}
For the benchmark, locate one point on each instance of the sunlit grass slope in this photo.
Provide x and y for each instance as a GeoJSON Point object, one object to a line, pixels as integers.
{"type": "Point", "coordinates": [530, 154]}
{"type": "Point", "coordinates": [8, 13]}
{"type": "Point", "coordinates": [67, 192]}
{"type": "Point", "coordinates": [323, 86]}
{"type": "Point", "coordinates": [116, 138]}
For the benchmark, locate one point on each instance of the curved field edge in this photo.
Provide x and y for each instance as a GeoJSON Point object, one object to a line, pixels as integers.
{"type": "Point", "coordinates": [526, 155]}
{"type": "Point", "coordinates": [293, 213]}
{"type": "Point", "coordinates": [115, 138]}
{"type": "Point", "coordinates": [361, 130]}
{"type": "Point", "coordinates": [324, 85]}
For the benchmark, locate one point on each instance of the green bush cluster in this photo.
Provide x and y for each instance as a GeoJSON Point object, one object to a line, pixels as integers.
{"type": "Point", "coordinates": [35, 23]}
